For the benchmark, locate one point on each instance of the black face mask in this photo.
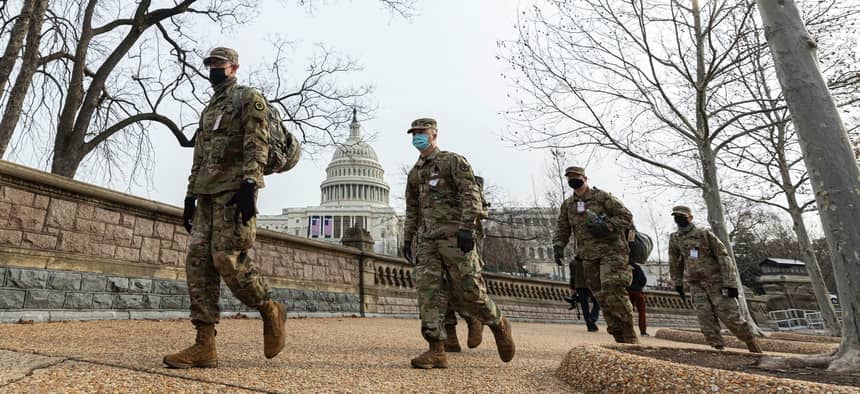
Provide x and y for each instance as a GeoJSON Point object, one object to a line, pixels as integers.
{"type": "Point", "coordinates": [682, 221]}
{"type": "Point", "coordinates": [217, 76]}
{"type": "Point", "coordinates": [575, 183]}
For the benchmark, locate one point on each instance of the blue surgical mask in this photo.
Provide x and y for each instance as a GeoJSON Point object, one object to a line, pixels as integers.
{"type": "Point", "coordinates": [420, 141]}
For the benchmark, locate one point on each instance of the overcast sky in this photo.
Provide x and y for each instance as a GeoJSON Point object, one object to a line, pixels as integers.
{"type": "Point", "coordinates": [441, 63]}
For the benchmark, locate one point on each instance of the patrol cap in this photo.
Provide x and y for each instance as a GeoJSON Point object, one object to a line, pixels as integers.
{"type": "Point", "coordinates": [682, 210]}
{"type": "Point", "coordinates": [222, 53]}
{"type": "Point", "coordinates": [421, 124]}
{"type": "Point", "coordinates": [574, 171]}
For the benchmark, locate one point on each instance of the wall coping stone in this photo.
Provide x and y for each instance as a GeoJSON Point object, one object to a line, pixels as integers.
{"type": "Point", "coordinates": [38, 177]}
{"type": "Point", "coordinates": [47, 316]}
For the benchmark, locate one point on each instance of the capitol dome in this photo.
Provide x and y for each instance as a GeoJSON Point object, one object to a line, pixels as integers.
{"type": "Point", "coordinates": [354, 175]}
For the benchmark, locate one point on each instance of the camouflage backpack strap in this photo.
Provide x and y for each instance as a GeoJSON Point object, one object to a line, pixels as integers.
{"type": "Point", "coordinates": [706, 240]}
{"type": "Point", "coordinates": [236, 98]}
{"type": "Point", "coordinates": [445, 170]}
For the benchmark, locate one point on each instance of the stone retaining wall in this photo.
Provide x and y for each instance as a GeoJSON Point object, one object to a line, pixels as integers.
{"type": "Point", "coordinates": [44, 295]}
{"type": "Point", "coordinates": [71, 250]}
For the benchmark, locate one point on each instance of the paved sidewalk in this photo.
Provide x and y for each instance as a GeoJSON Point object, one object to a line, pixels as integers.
{"type": "Point", "coordinates": [322, 355]}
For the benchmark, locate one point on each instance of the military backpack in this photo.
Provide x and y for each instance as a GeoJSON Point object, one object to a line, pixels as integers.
{"type": "Point", "coordinates": [284, 149]}
{"type": "Point", "coordinates": [640, 247]}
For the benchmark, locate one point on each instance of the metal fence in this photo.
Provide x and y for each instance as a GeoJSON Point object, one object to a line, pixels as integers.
{"type": "Point", "coordinates": [799, 319]}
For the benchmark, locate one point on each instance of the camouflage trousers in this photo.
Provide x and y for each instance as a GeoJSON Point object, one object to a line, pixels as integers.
{"type": "Point", "coordinates": [712, 307]}
{"type": "Point", "coordinates": [608, 278]}
{"type": "Point", "coordinates": [445, 276]}
{"type": "Point", "coordinates": [219, 250]}
{"type": "Point", "coordinates": [451, 314]}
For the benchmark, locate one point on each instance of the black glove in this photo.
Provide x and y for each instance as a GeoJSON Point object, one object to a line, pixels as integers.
{"type": "Point", "coordinates": [598, 230]}
{"type": "Point", "coordinates": [731, 292]}
{"type": "Point", "coordinates": [680, 290]}
{"type": "Point", "coordinates": [407, 251]}
{"type": "Point", "coordinates": [244, 201]}
{"type": "Point", "coordinates": [465, 240]}
{"type": "Point", "coordinates": [188, 212]}
{"type": "Point", "coordinates": [558, 251]}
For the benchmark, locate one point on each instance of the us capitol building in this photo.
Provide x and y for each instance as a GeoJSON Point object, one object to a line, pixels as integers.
{"type": "Point", "coordinates": [354, 193]}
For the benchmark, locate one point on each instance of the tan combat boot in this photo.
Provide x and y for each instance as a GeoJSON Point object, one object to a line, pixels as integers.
{"type": "Point", "coordinates": [504, 339]}
{"type": "Point", "coordinates": [201, 354]}
{"type": "Point", "coordinates": [434, 357]}
{"type": "Point", "coordinates": [452, 343]}
{"type": "Point", "coordinates": [753, 346]}
{"type": "Point", "coordinates": [476, 332]}
{"type": "Point", "coordinates": [274, 331]}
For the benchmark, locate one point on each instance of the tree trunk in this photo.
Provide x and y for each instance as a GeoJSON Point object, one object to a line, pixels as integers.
{"type": "Point", "coordinates": [717, 221]}
{"type": "Point", "coordinates": [65, 125]}
{"type": "Point", "coordinates": [829, 158]}
{"type": "Point", "coordinates": [814, 270]}
{"type": "Point", "coordinates": [25, 75]}
{"type": "Point", "coordinates": [13, 47]}
{"type": "Point", "coordinates": [70, 145]}
{"type": "Point", "coordinates": [812, 266]}
{"type": "Point", "coordinates": [710, 183]}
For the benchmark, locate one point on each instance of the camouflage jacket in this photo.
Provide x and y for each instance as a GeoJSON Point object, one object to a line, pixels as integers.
{"type": "Point", "coordinates": [572, 218]}
{"type": "Point", "coordinates": [229, 147]}
{"type": "Point", "coordinates": [441, 196]}
{"type": "Point", "coordinates": [485, 213]}
{"type": "Point", "coordinates": [698, 256]}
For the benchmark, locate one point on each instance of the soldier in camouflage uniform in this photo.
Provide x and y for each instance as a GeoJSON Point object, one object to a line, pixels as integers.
{"type": "Point", "coordinates": [230, 152]}
{"type": "Point", "coordinates": [699, 258]}
{"type": "Point", "coordinates": [599, 223]}
{"type": "Point", "coordinates": [476, 328]}
{"type": "Point", "coordinates": [443, 208]}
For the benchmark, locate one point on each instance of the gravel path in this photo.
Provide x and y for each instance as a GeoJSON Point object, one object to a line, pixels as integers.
{"type": "Point", "coordinates": [322, 355]}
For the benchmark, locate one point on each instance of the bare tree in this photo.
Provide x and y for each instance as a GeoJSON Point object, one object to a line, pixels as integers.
{"type": "Point", "coordinates": [755, 232]}
{"type": "Point", "coordinates": [645, 78]}
{"type": "Point", "coordinates": [317, 105]}
{"type": "Point", "coordinates": [111, 75]}
{"type": "Point", "coordinates": [774, 185]}
{"type": "Point", "coordinates": [656, 223]}
{"type": "Point", "coordinates": [516, 236]}
{"type": "Point", "coordinates": [31, 18]}
{"type": "Point", "coordinates": [769, 159]}
{"type": "Point", "coordinates": [556, 182]}
{"type": "Point", "coordinates": [830, 159]}
{"type": "Point", "coordinates": [403, 8]}
{"type": "Point", "coordinates": [17, 34]}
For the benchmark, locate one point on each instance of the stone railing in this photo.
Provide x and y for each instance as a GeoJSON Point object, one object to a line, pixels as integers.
{"type": "Point", "coordinates": [523, 298]}
{"type": "Point", "coordinates": [397, 274]}
{"type": "Point", "coordinates": [69, 250]}
{"type": "Point", "coordinates": [393, 274]}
